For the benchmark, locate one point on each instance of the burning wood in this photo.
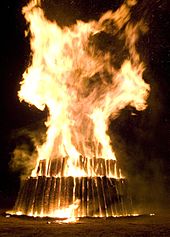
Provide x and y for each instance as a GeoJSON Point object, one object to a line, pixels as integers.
{"type": "Point", "coordinates": [83, 88]}
{"type": "Point", "coordinates": [95, 196]}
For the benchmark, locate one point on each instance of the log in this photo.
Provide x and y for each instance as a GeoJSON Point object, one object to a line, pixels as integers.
{"type": "Point", "coordinates": [39, 194]}
{"type": "Point", "coordinates": [47, 188]}
{"type": "Point", "coordinates": [51, 195]}
{"type": "Point", "coordinates": [102, 209]}
{"type": "Point", "coordinates": [89, 197]}
{"type": "Point", "coordinates": [31, 195]}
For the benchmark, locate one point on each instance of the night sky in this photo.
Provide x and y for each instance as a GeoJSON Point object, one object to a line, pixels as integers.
{"type": "Point", "coordinates": [141, 142]}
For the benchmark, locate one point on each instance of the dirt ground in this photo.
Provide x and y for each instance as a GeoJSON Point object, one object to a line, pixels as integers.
{"type": "Point", "coordinates": [145, 225]}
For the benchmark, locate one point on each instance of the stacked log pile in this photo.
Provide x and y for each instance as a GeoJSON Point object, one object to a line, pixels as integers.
{"type": "Point", "coordinates": [97, 196]}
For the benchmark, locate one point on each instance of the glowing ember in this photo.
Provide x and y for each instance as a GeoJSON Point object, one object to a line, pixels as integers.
{"type": "Point", "coordinates": [83, 90]}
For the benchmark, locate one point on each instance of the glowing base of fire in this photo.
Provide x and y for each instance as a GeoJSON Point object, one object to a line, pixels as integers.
{"type": "Point", "coordinates": [64, 219]}
{"type": "Point", "coordinates": [73, 197]}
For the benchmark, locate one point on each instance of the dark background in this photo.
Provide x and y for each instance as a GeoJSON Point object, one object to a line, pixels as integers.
{"type": "Point", "coordinates": [141, 142]}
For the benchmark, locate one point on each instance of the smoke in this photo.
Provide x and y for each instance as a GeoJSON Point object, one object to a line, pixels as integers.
{"type": "Point", "coordinates": [24, 152]}
{"type": "Point", "coordinates": [23, 160]}
{"type": "Point", "coordinates": [141, 151]}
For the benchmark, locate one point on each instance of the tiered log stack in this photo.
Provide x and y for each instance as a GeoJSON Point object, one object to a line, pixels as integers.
{"type": "Point", "coordinates": [96, 196]}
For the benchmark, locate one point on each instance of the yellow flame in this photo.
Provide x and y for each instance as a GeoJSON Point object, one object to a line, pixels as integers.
{"type": "Point", "coordinates": [67, 213]}
{"type": "Point", "coordinates": [67, 76]}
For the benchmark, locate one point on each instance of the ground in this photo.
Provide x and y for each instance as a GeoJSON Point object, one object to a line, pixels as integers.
{"type": "Point", "coordinates": [145, 225]}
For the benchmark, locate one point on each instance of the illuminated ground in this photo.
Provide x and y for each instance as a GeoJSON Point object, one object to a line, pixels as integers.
{"type": "Point", "coordinates": [157, 225]}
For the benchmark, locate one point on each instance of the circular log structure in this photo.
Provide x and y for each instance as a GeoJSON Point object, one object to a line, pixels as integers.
{"type": "Point", "coordinates": [90, 196]}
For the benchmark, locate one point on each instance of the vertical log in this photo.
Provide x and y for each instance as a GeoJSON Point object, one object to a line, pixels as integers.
{"type": "Point", "coordinates": [63, 165]}
{"type": "Point", "coordinates": [70, 186]}
{"type": "Point", "coordinates": [85, 164]}
{"type": "Point", "coordinates": [19, 200]}
{"type": "Point", "coordinates": [78, 196]}
{"type": "Point", "coordinates": [59, 162]}
{"type": "Point", "coordinates": [107, 198]}
{"type": "Point", "coordinates": [107, 167]}
{"type": "Point", "coordinates": [31, 195]}
{"type": "Point", "coordinates": [95, 197]}
{"type": "Point", "coordinates": [51, 196]}
{"type": "Point", "coordinates": [119, 198]}
{"type": "Point", "coordinates": [84, 196]}
{"type": "Point", "coordinates": [42, 168]}
{"type": "Point", "coordinates": [38, 205]}
{"type": "Point", "coordinates": [62, 192]}
{"type": "Point", "coordinates": [53, 167]}
{"type": "Point", "coordinates": [101, 197]}
{"type": "Point", "coordinates": [101, 167]}
{"type": "Point", "coordinates": [57, 193]}
{"type": "Point", "coordinates": [112, 166]}
{"type": "Point", "coordinates": [89, 197]}
{"type": "Point", "coordinates": [111, 196]}
{"type": "Point", "coordinates": [81, 194]}
{"type": "Point", "coordinates": [123, 195]}
{"type": "Point", "coordinates": [24, 199]}
{"type": "Point", "coordinates": [47, 186]}
{"type": "Point", "coordinates": [114, 196]}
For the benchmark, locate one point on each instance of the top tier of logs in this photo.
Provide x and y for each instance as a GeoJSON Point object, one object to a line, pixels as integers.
{"type": "Point", "coordinates": [92, 167]}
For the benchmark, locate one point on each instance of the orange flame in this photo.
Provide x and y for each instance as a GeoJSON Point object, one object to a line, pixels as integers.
{"type": "Point", "coordinates": [67, 76]}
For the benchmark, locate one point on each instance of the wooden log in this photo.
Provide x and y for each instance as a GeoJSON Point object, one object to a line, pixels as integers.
{"type": "Point", "coordinates": [31, 195]}
{"type": "Point", "coordinates": [38, 205]}
{"type": "Point", "coordinates": [102, 208]}
{"type": "Point", "coordinates": [51, 196]}
{"type": "Point", "coordinates": [122, 187]}
{"type": "Point", "coordinates": [55, 167]}
{"type": "Point", "coordinates": [85, 164]}
{"type": "Point", "coordinates": [20, 205]}
{"type": "Point", "coordinates": [111, 196]}
{"type": "Point", "coordinates": [119, 197]}
{"type": "Point", "coordinates": [84, 196]}
{"type": "Point", "coordinates": [69, 191]}
{"type": "Point", "coordinates": [25, 197]}
{"type": "Point", "coordinates": [100, 168]}
{"type": "Point", "coordinates": [19, 201]}
{"type": "Point", "coordinates": [63, 165]}
{"type": "Point", "coordinates": [106, 197]}
{"type": "Point", "coordinates": [59, 166]}
{"type": "Point", "coordinates": [80, 162]}
{"type": "Point", "coordinates": [107, 165]}
{"type": "Point", "coordinates": [114, 196]}
{"type": "Point", "coordinates": [81, 195]}
{"type": "Point", "coordinates": [42, 168]}
{"type": "Point", "coordinates": [46, 195]}
{"type": "Point", "coordinates": [89, 197]}
{"type": "Point", "coordinates": [63, 192]}
{"type": "Point", "coordinates": [78, 196]}
{"type": "Point", "coordinates": [57, 193]}
{"type": "Point", "coordinates": [90, 168]}
{"type": "Point", "coordinates": [96, 210]}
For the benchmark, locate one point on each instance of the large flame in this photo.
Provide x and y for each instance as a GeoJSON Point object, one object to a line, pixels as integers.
{"type": "Point", "coordinates": [80, 85]}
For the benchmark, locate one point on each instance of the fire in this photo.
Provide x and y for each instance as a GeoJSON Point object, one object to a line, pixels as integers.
{"type": "Point", "coordinates": [67, 76]}
{"type": "Point", "coordinates": [83, 90]}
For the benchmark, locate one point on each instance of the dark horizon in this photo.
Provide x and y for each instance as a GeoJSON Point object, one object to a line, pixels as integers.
{"type": "Point", "coordinates": [141, 142]}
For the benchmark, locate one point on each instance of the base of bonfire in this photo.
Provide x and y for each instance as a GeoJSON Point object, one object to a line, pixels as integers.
{"type": "Point", "coordinates": [73, 197]}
